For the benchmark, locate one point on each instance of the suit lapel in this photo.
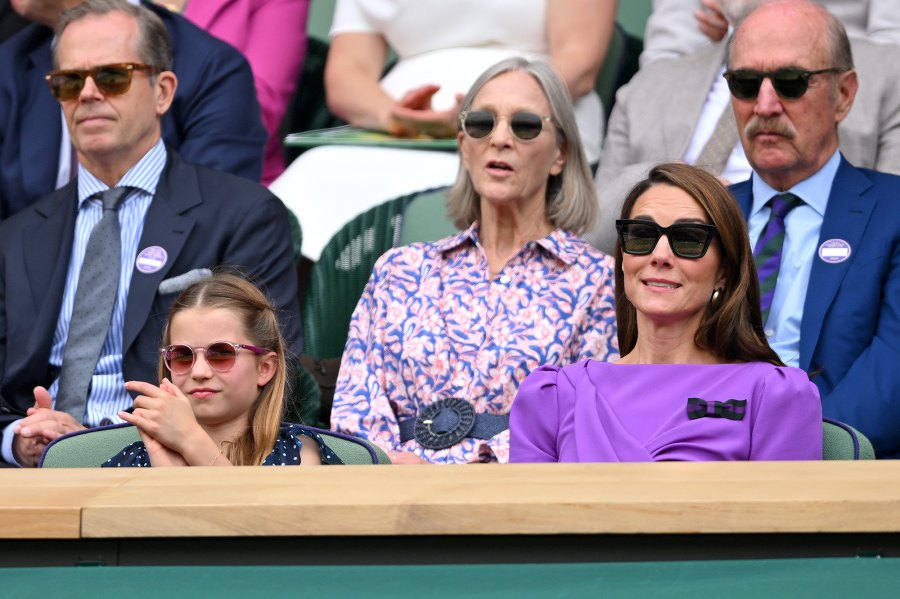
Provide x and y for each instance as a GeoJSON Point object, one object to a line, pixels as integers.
{"type": "Point", "coordinates": [167, 227]}
{"type": "Point", "coordinates": [846, 218]}
{"type": "Point", "coordinates": [681, 122]}
{"type": "Point", "coordinates": [40, 148]}
{"type": "Point", "coordinates": [47, 248]}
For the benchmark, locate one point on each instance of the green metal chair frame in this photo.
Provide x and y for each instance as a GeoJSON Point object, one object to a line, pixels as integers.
{"type": "Point", "coordinates": [92, 447]}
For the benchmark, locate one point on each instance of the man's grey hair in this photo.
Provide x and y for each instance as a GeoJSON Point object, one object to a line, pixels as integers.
{"type": "Point", "coordinates": [153, 45]}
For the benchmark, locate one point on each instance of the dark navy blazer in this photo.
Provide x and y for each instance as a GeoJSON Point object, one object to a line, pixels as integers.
{"type": "Point", "coordinates": [850, 330]}
{"type": "Point", "coordinates": [201, 217]}
{"type": "Point", "coordinates": [214, 119]}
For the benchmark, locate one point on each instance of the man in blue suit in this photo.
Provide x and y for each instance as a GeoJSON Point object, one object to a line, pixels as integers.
{"type": "Point", "coordinates": [214, 120]}
{"type": "Point", "coordinates": [835, 311]}
{"type": "Point", "coordinates": [177, 222]}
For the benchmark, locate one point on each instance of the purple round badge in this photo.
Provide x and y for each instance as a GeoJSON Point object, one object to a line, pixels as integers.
{"type": "Point", "coordinates": [151, 259]}
{"type": "Point", "coordinates": [834, 251]}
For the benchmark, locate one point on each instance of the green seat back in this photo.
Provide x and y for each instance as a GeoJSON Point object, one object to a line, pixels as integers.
{"type": "Point", "coordinates": [92, 447]}
{"type": "Point", "coordinates": [426, 218]}
{"type": "Point", "coordinates": [339, 277]}
{"type": "Point", "coordinates": [89, 448]}
{"type": "Point", "coordinates": [305, 401]}
{"type": "Point", "coordinates": [843, 442]}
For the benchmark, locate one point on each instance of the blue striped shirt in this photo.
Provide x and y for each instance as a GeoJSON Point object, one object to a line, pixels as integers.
{"type": "Point", "coordinates": [107, 394]}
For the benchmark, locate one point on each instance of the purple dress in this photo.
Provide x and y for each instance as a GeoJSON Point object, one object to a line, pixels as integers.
{"type": "Point", "coordinates": [605, 412]}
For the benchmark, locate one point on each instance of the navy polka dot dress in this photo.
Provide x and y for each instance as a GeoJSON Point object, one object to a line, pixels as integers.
{"type": "Point", "coordinates": [285, 453]}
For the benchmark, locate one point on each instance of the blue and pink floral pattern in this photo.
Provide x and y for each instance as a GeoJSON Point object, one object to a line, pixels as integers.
{"type": "Point", "coordinates": [432, 323]}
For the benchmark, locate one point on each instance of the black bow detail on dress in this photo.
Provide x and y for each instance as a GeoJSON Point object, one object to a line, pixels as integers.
{"type": "Point", "coordinates": [733, 409]}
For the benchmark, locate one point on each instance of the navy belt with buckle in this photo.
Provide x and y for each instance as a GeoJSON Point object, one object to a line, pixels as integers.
{"type": "Point", "coordinates": [448, 421]}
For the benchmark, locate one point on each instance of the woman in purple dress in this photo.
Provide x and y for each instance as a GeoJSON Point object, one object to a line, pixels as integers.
{"type": "Point", "coordinates": [697, 379]}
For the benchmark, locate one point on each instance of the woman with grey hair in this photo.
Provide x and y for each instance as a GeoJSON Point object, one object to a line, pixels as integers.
{"type": "Point", "coordinates": [445, 331]}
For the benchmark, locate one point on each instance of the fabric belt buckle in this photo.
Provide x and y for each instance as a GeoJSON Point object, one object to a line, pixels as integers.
{"type": "Point", "coordinates": [444, 423]}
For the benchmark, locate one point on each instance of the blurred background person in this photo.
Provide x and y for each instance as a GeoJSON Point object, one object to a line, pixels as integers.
{"type": "Point", "coordinates": [271, 34]}
{"type": "Point", "coordinates": [441, 49]}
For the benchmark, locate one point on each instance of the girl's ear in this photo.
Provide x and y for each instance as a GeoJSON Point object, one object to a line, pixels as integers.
{"type": "Point", "coordinates": [268, 364]}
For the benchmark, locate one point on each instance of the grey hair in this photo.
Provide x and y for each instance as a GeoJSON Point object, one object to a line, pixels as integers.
{"type": "Point", "coordinates": [153, 45]}
{"type": "Point", "coordinates": [571, 197]}
{"type": "Point", "coordinates": [838, 43]}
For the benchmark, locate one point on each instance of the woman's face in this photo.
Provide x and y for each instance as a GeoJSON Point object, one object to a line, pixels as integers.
{"type": "Point", "coordinates": [219, 398]}
{"type": "Point", "coordinates": [503, 168]}
{"type": "Point", "coordinates": [663, 287]}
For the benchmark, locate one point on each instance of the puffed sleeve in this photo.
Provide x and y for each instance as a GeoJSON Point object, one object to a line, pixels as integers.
{"type": "Point", "coordinates": [788, 419]}
{"type": "Point", "coordinates": [534, 418]}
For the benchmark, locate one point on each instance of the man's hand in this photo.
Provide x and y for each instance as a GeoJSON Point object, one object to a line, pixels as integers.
{"type": "Point", "coordinates": [710, 20]}
{"type": "Point", "coordinates": [41, 425]}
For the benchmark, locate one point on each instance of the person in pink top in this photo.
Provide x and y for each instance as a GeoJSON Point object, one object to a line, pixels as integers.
{"type": "Point", "coordinates": [271, 34]}
{"type": "Point", "coordinates": [697, 379]}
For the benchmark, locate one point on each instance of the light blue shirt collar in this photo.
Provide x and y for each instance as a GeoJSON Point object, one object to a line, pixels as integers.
{"type": "Point", "coordinates": [144, 175]}
{"type": "Point", "coordinates": [814, 191]}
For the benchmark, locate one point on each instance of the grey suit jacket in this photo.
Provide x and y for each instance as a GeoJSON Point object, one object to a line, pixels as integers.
{"type": "Point", "coordinates": [672, 29]}
{"type": "Point", "coordinates": [657, 111]}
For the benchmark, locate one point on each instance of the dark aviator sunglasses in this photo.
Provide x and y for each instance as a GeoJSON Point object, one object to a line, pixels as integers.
{"type": "Point", "coordinates": [687, 240]}
{"type": "Point", "coordinates": [790, 83]}
{"type": "Point", "coordinates": [110, 79]}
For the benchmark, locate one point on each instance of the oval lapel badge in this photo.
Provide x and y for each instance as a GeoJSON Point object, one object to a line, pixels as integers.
{"type": "Point", "coordinates": [151, 259]}
{"type": "Point", "coordinates": [834, 251]}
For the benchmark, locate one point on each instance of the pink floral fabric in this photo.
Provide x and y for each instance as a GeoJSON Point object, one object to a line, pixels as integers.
{"type": "Point", "coordinates": [432, 324]}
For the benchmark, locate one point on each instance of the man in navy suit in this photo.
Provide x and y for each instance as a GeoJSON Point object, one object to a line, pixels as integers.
{"type": "Point", "coordinates": [836, 305]}
{"type": "Point", "coordinates": [178, 221]}
{"type": "Point", "coordinates": [214, 120]}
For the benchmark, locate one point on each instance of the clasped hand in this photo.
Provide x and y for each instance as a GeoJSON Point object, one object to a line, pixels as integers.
{"type": "Point", "coordinates": [165, 422]}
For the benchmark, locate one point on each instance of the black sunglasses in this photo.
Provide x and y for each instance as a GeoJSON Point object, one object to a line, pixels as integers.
{"type": "Point", "coordinates": [687, 240]}
{"type": "Point", "coordinates": [790, 83]}
{"type": "Point", "coordinates": [110, 79]}
{"type": "Point", "coordinates": [524, 125]}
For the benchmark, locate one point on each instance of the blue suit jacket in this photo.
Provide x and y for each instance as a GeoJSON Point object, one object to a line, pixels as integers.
{"type": "Point", "coordinates": [201, 217]}
{"type": "Point", "coordinates": [214, 119]}
{"type": "Point", "coordinates": [850, 330]}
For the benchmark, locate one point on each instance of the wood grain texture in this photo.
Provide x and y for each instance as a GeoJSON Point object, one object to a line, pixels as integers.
{"type": "Point", "coordinates": [501, 499]}
{"type": "Point", "coordinates": [47, 504]}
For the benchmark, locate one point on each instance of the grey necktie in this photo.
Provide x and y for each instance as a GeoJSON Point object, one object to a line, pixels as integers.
{"type": "Point", "coordinates": [715, 153]}
{"type": "Point", "coordinates": [95, 297]}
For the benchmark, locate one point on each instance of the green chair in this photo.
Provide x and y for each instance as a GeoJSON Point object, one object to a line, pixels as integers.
{"type": "Point", "coordinates": [426, 218]}
{"type": "Point", "coordinates": [339, 277]}
{"type": "Point", "coordinates": [843, 442]}
{"type": "Point", "coordinates": [344, 267]}
{"type": "Point", "coordinates": [619, 66]}
{"type": "Point", "coordinates": [92, 447]}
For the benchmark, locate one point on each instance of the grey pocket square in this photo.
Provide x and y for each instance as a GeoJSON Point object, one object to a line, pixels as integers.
{"type": "Point", "coordinates": [182, 282]}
